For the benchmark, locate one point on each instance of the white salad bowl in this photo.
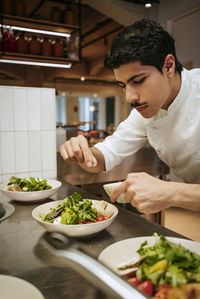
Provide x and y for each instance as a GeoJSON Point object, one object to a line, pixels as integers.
{"type": "Point", "coordinates": [73, 230]}
{"type": "Point", "coordinates": [110, 187]}
{"type": "Point", "coordinates": [32, 196]}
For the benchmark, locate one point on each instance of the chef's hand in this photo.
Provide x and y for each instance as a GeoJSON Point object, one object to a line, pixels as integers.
{"type": "Point", "coordinates": [145, 192]}
{"type": "Point", "coordinates": [76, 149]}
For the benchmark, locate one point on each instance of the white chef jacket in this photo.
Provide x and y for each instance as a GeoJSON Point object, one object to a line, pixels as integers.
{"type": "Point", "coordinates": [174, 134]}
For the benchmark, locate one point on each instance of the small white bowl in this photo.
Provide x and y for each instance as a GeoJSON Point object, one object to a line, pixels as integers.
{"type": "Point", "coordinates": [14, 287]}
{"type": "Point", "coordinates": [74, 230]}
{"type": "Point", "coordinates": [32, 196]}
{"type": "Point", "coordinates": [110, 187]}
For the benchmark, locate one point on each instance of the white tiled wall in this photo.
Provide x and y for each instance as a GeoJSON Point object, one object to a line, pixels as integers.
{"type": "Point", "coordinates": [27, 132]}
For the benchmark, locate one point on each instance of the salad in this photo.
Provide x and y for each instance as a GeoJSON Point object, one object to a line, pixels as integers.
{"type": "Point", "coordinates": [76, 210]}
{"type": "Point", "coordinates": [162, 267]}
{"type": "Point", "coordinates": [27, 185]}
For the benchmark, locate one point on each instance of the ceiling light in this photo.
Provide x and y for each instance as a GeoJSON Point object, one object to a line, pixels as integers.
{"type": "Point", "coordinates": [147, 5]}
{"type": "Point", "coordinates": [37, 30]}
{"type": "Point", "coordinates": [82, 78]}
{"type": "Point", "coordinates": [92, 108]}
{"type": "Point", "coordinates": [66, 66]}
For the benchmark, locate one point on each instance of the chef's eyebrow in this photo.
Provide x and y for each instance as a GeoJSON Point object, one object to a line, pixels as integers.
{"type": "Point", "coordinates": [122, 84]}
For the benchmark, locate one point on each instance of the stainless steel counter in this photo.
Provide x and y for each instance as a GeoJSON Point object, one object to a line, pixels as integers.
{"type": "Point", "coordinates": [22, 256]}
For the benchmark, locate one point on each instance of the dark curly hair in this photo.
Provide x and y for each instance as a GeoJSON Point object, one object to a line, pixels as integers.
{"type": "Point", "coordinates": [145, 41]}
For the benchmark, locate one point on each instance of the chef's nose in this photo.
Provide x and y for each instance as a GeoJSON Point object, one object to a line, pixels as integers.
{"type": "Point", "coordinates": [131, 95]}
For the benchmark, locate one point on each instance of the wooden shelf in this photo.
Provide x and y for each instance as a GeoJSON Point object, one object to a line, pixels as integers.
{"type": "Point", "coordinates": [39, 25]}
{"type": "Point", "coordinates": [36, 58]}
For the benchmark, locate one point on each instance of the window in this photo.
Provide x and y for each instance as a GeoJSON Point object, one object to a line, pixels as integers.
{"type": "Point", "coordinates": [92, 109]}
{"type": "Point", "coordinates": [61, 110]}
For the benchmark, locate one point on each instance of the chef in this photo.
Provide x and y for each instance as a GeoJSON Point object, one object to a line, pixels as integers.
{"type": "Point", "coordinates": [166, 106]}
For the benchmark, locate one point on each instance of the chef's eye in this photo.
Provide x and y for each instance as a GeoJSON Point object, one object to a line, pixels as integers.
{"type": "Point", "coordinates": [122, 85]}
{"type": "Point", "coordinates": [139, 81]}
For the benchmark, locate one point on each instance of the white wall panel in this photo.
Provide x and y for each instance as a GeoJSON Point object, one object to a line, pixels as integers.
{"type": "Point", "coordinates": [35, 149]}
{"type": "Point", "coordinates": [6, 110]}
{"type": "Point", "coordinates": [34, 111]}
{"type": "Point", "coordinates": [48, 150]}
{"type": "Point", "coordinates": [27, 132]}
{"type": "Point", "coordinates": [20, 109]}
{"type": "Point", "coordinates": [48, 109]}
{"type": "Point", "coordinates": [21, 152]}
{"type": "Point", "coordinates": [7, 152]}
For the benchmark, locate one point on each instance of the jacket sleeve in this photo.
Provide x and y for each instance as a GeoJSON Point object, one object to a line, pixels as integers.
{"type": "Point", "coordinates": [128, 138]}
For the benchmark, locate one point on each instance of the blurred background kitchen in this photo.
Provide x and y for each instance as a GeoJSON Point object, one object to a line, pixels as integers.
{"type": "Point", "coordinates": [53, 84]}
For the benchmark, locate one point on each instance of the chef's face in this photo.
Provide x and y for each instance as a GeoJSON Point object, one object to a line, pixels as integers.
{"type": "Point", "coordinates": [145, 85]}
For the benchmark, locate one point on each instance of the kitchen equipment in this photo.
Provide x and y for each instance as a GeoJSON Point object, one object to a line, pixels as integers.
{"type": "Point", "coordinates": [46, 47]}
{"type": "Point", "coordinates": [21, 44]}
{"type": "Point", "coordinates": [68, 15]}
{"type": "Point", "coordinates": [58, 49]}
{"type": "Point", "coordinates": [34, 45]}
{"type": "Point", "coordinates": [104, 279]}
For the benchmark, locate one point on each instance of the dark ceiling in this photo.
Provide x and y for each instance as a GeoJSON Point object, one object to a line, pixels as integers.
{"type": "Point", "coordinates": [141, 1]}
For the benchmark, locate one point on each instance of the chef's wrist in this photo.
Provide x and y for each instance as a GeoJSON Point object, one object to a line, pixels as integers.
{"type": "Point", "coordinates": [186, 196]}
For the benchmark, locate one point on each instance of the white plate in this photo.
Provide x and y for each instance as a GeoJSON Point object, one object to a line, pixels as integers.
{"type": "Point", "coordinates": [32, 196]}
{"type": "Point", "coordinates": [75, 230]}
{"type": "Point", "coordinates": [110, 187]}
{"type": "Point", "coordinates": [125, 250]}
{"type": "Point", "coordinates": [13, 287]}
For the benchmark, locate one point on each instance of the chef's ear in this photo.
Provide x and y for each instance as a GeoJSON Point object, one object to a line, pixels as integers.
{"type": "Point", "coordinates": [169, 65]}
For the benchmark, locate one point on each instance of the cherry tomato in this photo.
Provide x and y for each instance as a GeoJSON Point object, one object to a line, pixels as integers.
{"type": "Point", "coordinates": [164, 285]}
{"type": "Point", "coordinates": [162, 291]}
{"type": "Point", "coordinates": [129, 275]}
{"type": "Point", "coordinates": [146, 287]}
{"type": "Point", "coordinates": [134, 281]}
{"type": "Point", "coordinates": [100, 218]}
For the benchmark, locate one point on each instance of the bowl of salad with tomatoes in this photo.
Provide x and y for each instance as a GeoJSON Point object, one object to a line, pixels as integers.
{"type": "Point", "coordinates": [165, 270]}
{"type": "Point", "coordinates": [75, 216]}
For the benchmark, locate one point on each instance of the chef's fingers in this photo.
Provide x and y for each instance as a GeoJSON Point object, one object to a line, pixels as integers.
{"type": "Point", "coordinates": [132, 200]}
{"type": "Point", "coordinates": [117, 191]}
{"type": "Point", "coordinates": [63, 152]}
{"type": "Point", "coordinates": [80, 151]}
{"type": "Point", "coordinates": [127, 187]}
{"type": "Point", "coordinates": [67, 152]}
{"type": "Point", "coordinates": [71, 150]}
{"type": "Point", "coordinates": [88, 158]}
{"type": "Point", "coordinates": [76, 149]}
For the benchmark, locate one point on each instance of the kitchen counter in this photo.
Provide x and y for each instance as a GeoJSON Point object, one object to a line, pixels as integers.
{"type": "Point", "coordinates": [22, 256]}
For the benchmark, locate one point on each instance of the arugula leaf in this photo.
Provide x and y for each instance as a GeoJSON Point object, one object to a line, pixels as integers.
{"type": "Point", "coordinates": [73, 210]}
{"type": "Point", "coordinates": [69, 216]}
{"type": "Point", "coordinates": [31, 184]}
{"type": "Point", "coordinates": [175, 276]}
